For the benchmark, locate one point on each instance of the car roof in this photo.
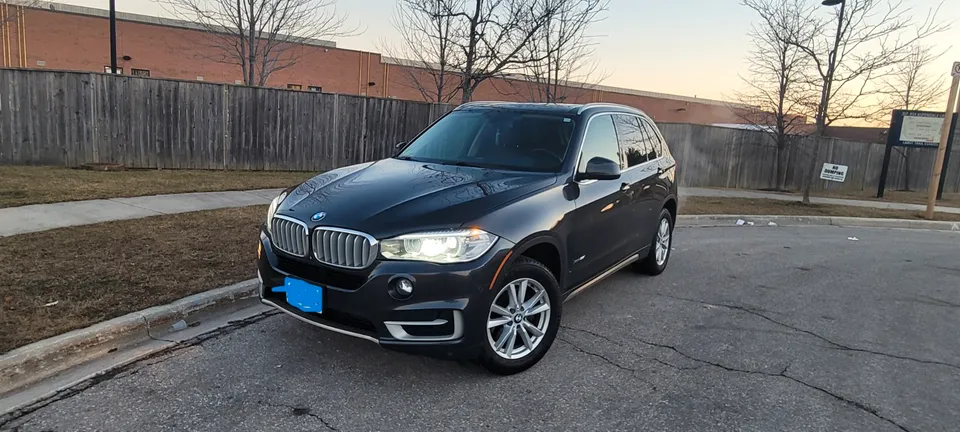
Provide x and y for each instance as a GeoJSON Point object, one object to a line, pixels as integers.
{"type": "Point", "coordinates": [576, 109]}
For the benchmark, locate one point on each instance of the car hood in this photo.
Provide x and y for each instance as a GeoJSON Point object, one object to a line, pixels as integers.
{"type": "Point", "coordinates": [392, 196]}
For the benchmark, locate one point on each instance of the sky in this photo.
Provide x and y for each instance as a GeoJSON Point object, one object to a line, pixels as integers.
{"type": "Point", "coordinates": [685, 47]}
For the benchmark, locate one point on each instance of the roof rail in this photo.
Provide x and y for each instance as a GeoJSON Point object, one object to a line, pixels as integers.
{"type": "Point", "coordinates": [607, 104]}
{"type": "Point", "coordinates": [471, 103]}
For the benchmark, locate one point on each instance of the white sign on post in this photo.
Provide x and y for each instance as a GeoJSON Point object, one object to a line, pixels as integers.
{"type": "Point", "coordinates": [956, 69]}
{"type": "Point", "coordinates": [831, 172]}
{"type": "Point", "coordinates": [921, 130]}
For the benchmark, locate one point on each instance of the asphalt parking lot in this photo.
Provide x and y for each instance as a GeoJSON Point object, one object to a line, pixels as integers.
{"type": "Point", "coordinates": [751, 328]}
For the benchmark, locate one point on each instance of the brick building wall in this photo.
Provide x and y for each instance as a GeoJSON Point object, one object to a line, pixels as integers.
{"type": "Point", "coordinates": [64, 37]}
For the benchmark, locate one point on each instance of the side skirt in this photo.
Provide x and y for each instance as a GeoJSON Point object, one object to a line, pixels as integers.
{"type": "Point", "coordinates": [617, 267]}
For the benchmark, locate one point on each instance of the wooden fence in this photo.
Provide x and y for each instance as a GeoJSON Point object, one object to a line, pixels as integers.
{"type": "Point", "coordinates": [72, 118]}
{"type": "Point", "coordinates": [732, 158]}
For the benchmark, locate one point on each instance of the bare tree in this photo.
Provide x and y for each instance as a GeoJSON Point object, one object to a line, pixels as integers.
{"type": "Point", "coordinates": [776, 85]}
{"type": "Point", "coordinates": [562, 51]}
{"type": "Point", "coordinates": [871, 38]}
{"type": "Point", "coordinates": [909, 88]}
{"type": "Point", "coordinates": [491, 37]}
{"type": "Point", "coordinates": [483, 38]}
{"type": "Point", "coordinates": [427, 50]}
{"type": "Point", "coordinates": [260, 36]}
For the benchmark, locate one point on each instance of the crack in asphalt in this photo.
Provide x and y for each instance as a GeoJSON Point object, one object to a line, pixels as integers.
{"type": "Point", "coordinates": [653, 359]}
{"type": "Point", "coordinates": [130, 368]}
{"type": "Point", "coordinates": [298, 412]}
{"type": "Point", "coordinates": [782, 374]}
{"type": "Point", "coordinates": [834, 345]}
{"type": "Point", "coordinates": [935, 301]}
{"type": "Point", "coordinates": [581, 350]}
{"type": "Point", "coordinates": [860, 405]}
{"type": "Point", "coordinates": [607, 360]}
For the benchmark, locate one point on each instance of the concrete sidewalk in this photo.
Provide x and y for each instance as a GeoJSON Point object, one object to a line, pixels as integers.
{"type": "Point", "coordinates": [41, 217]}
{"type": "Point", "coordinates": [729, 193]}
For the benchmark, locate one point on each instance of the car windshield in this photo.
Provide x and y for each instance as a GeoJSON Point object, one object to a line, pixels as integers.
{"type": "Point", "coordinates": [495, 138]}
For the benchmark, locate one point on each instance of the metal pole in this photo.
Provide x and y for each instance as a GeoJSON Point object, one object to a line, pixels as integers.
{"type": "Point", "coordinates": [942, 149]}
{"type": "Point", "coordinates": [824, 101]}
{"type": "Point", "coordinates": [113, 36]}
{"type": "Point", "coordinates": [946, 156]}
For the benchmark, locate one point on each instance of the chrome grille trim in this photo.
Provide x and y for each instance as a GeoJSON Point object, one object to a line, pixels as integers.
{"type": "Point", "coordinates": [290, 236]}
{"type": "Point", "coordinates": [344, 248]}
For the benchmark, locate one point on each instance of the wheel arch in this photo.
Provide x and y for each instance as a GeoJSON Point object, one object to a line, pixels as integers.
{"type": "Point", "coordinates": [548, 250]}
{"type": "Point", "coordinates": [671, 205]}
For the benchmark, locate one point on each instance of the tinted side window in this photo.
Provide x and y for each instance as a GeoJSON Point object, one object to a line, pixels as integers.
{"type": "Point", "coordinates": [658, 145]}
{"type": "Point", "coordinates": [633, 142]}
{"type": "Point", "coordinates": [600, 140]}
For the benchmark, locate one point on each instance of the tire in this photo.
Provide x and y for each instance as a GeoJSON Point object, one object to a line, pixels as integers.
{"type": "Point", "coordinates": [650, 265]}
{"type": "Point", "coordinates": [538, 278]}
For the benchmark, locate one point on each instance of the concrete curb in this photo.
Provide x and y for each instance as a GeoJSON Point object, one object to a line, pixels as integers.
{"type": "Point", "coordinates": [852, 222]}
{"type": "Point", "coordinates": [40, 360]}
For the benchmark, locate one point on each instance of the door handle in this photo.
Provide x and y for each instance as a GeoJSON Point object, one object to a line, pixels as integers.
{"type": "Point", "coordinates": [625, 187]}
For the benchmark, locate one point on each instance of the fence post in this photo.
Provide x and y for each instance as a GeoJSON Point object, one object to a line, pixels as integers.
{"type": "Point", "coordinates": [225, 108]}
{"type": "Point", "coordinates": [336, 130]}
{"type": "Point", "coordinates": [94, 114]}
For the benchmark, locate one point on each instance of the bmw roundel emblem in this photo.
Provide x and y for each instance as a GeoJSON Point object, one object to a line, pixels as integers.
{"type": "Point", "coordinates": [318, 216]}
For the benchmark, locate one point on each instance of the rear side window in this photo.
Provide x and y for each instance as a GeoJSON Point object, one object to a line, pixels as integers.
{"type": "Point", "coordinates": [659, 146]}
{"type": "Point", "coordinates": [599, 141]}
{"type": "Point", "coordinates": [634, 143]}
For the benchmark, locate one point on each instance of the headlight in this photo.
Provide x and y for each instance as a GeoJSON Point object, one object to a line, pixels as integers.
{"type": "Point", "coordinates": [439, 246]}
{"type": "Point", "coordinates": [272, 210]}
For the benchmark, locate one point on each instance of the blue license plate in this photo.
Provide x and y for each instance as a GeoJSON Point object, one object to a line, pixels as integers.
{"type": "Point", "coordinates": [302, 295]}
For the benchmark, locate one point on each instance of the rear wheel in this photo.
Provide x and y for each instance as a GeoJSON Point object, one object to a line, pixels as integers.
{"type": "Point", "coordinates": [658, 254]}
{"type": "Point", "coordinates": [523, 318]}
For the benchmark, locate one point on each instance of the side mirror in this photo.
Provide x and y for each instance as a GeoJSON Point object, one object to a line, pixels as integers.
{"type": "Point", "coordinates": [599, 168]}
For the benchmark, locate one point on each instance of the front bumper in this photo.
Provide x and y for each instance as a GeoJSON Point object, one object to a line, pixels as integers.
{"type": "Point", "coordinates": [444, 316]}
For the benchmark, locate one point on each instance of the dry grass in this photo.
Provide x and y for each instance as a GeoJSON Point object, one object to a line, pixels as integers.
{"type": "Point", "coordinates": [750, 206]}
{"type": "Point", "coordinates": [949, 199]}
{"type": "Point", "coordinates": [98, 272]}
{"type": "Point", "coordinates": [22, 185]}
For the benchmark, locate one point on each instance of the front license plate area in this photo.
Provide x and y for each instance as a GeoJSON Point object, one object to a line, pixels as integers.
{"type": "Point", "coordinates": [302, 295]}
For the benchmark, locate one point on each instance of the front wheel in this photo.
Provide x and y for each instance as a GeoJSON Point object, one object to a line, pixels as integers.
{"type": "Point", "coordinates": [523, 318]}
{"type": "Point", "coordinates": [659, 251]}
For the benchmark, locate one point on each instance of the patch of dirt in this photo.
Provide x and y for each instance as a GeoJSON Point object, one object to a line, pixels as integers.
{"type": "Point", "coordinates": [93, 273]}
{"type": "Point", "coordinates": [24, 185]}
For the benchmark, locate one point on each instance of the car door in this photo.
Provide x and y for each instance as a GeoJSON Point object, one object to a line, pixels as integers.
{"type": "Point", "coordinates": [596, 239]}
{"type": "Point", "coordinates": [636, 172]}
{"type": "Point", "coordinates": [640, 173]}
{"type": "Point", "coordinates": [658, 184]}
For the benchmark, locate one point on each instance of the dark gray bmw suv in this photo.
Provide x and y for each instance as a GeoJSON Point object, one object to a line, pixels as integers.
{"type": "Point", "coordinates": [467, 243]}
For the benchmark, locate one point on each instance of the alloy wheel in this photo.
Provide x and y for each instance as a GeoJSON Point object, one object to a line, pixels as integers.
{"type": "Point", "coordinates": [663, 242]}
{"type": "Point", "coordinates": [518, 318]}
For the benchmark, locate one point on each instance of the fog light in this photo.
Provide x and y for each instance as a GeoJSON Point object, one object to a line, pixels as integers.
{"type": "Point", "coordinates": [404, 287]}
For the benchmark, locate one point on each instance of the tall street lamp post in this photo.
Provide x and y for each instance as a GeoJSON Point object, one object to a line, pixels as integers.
{"type": "Point", "coordinates": [113, 36]}
{"type": "Point", "coordinates": [821, 116]}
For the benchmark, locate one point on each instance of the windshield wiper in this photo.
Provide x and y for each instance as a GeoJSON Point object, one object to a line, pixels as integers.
{"type": "Point", "coordinates": [468, 164]}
